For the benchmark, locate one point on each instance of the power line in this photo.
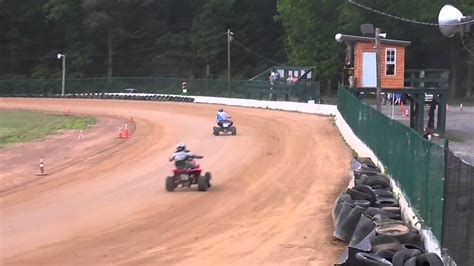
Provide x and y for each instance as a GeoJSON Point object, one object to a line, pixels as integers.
{"type": "Point", "coordinates": [98, 55]}
{"type": "Point", "coordinates": [465, 46]}
{"type": "Point", "coordinates": [152, 48]}
{"type": "Point", "coordinates": [401, 18]}
{"type": "Point", "coordinates": [256, 54]}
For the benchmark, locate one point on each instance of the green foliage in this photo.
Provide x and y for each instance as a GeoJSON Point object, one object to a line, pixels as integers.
{"type": "Point", "coordinates": [310, 30]}
{"type": "Point", "coordinates": [24, 126]}
{"type": "Point", "coordinates": [186, 38]}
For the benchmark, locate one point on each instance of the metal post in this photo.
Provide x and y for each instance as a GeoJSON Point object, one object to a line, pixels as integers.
{"type": "Point", "coordinates": [64, 75]}
{"type": "Point", "coordinates": [228, 62]}
{"type": "Point", "coordinates": [377, 62]}
{"type": "Point", "coordinates": [445, 184]}
{"type": "Point", "coordinates": [393, 105]}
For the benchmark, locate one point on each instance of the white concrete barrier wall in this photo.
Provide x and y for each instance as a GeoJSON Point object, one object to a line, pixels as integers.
{"type": "Point", "coordinates": [312, 108]}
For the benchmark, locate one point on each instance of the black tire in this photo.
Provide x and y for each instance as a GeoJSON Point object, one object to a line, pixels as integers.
{"type": "Point", "coordinates": [170, 185]}
{"type": "Point", "coordinates": [202, 183]}
{"type": "Point", "coordinates": [386, 254]}
{"type": "Point", "coordinates": [367, 190]}
{"type": "Point", "coordinates": [393, 210]}
{"type": "Point", "coordinates": [429, 259]}
{"type": "Point", "coordinates": [368, 259]}
{"type": "Point", "coordinates": [367, 161]}
{"type": "Point", "coordinates": [410, 262]}
{"type": "Point", "coordinates": [386, 202]}
{"type": "Point", "coordinates": [381, 242]}
{"type": "Point", "coordinates": [362, 203]}
{"type": "Point", "coordinates": [383, 193]}
{"type": "Point", "coordinates": [398, 231]}
{"type": "Point", "coordinates": [215, 131]}
{"type": "Point", "coordinates": [208, 177]}
{"type": "Point", "coordinates": [403, 255]}
{"type": "Point", "coordinates": [377, 181]}
{"type": "Point", "coordinates": [233, 130]}
{"type": "Point", "coordinates": [357, 195]}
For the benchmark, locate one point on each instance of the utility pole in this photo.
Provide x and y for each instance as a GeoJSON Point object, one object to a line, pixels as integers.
{"type": "Point", "coordinates": [63, 56]}
{"type": "Point", "coordinates": [64, 76]}
{"type": "Point", "coordinates": [377, 67]}
{"type": "Point", "coordinates": [229, 33]}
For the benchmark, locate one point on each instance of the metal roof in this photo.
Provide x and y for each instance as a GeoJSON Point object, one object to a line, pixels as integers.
{"type": "Point", "coordinates": [353, 38]}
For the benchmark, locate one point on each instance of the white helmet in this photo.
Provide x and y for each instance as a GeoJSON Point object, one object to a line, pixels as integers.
{"type": "Point", "coordinates": [180, 147]}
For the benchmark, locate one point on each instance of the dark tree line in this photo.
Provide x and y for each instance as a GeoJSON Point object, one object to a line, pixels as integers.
{"type": "Point", "coordinates": [187, 38]}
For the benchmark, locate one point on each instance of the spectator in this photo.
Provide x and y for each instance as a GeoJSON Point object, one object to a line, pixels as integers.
{"type": "Point", "coordinates": [294, 80]}
{"type": "Point", "coordinates": [273, 77]}
{"type": "Point", "coordinates": [427, 133]}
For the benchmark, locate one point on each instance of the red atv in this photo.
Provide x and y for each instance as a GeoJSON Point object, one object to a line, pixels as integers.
{"type": "Point", "coordinates": [186, 176]}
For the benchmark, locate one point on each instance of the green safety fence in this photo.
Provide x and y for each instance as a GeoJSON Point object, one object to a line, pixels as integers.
{"type": "Point", "coordinates": [417, 164]}
{"type": "Point", "coordinates": [249, 89]}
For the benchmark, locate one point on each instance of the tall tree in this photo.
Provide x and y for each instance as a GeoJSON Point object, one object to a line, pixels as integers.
{"type": "Point", "coordinates": [113, 21]}
{"type": "Point", "coordinates": [310, 28]}
{"type": "Point", "coordinates": [210, 19]}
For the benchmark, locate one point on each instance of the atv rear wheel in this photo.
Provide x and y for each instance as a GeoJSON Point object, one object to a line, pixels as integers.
{"type": "Point", "coordinates": [170, 185]}
{"type": "Point", "coordinates": [233, 130]}
{"type": "Point", "coordinates": [202, 183]}
{"type": "Point", "coordinates": [215, 131]}
{"type": "Point", "coordinates": [208, 178]}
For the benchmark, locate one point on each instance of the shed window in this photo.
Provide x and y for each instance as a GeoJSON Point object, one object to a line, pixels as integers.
{"type": "Point", "coordinates": [390, 55]}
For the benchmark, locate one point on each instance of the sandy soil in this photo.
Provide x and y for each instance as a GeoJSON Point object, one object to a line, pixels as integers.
{"type": "Point", "coordinates": [104, 199]}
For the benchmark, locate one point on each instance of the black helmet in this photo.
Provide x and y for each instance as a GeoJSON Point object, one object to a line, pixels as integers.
{"type": "Point", "coordinates": [180, 147]}
{"type": "Point", "coordinates": [221, 109]}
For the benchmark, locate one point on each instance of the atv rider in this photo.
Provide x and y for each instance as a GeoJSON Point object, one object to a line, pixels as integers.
{"type": "Point", "coordinates": [223, 117]}
{"type": "Point", "coordinates": [183, 158]}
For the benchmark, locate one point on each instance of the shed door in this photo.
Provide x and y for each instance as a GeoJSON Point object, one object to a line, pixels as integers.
{"type": "Point", "coordinates": [369, 70]}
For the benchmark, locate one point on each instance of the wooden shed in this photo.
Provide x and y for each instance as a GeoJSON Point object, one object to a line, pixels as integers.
{"type": "Point", "coordinates": [361, 61]}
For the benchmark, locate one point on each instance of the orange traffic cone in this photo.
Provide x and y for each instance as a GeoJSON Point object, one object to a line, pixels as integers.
{"type": "Point", "coordinates": [120, 136]}
{"type": "Point", "coordinates": [126, 131]}
{"type": "Point", "coordinates": [41, 165]}
{"type": "Point", "coordinates": [461, 108]}
{"type": "Point", "coordinates": [402, 109]}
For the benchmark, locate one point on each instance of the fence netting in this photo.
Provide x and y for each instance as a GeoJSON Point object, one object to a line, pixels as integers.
{"type": "Point", "coordinates": [303, 90]}
{"type": "Point", "coordinates": [458, 225]}
{"type": "Point", "coordinates": [414, 162]}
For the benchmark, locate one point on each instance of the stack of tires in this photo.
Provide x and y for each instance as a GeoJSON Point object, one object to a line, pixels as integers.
{"type": "Point", "coordinates": [368, 217]}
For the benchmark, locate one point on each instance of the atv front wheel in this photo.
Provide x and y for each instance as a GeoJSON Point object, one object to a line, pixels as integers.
{"type": "Point", "coordinates": [233, 130]}
{"type": "Point", "coordinates": [170, 185]}
{"type": "Point", "coordinates": [216, 131]}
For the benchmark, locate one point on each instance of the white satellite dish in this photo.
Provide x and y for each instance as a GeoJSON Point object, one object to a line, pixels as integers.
{"type": "Point", "coordinates": [59, 56]}
{"type": "Point", "coordinates": [449, 20]}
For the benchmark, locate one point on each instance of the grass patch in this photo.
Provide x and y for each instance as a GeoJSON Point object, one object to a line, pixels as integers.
{"type": "Point", "coordinates": [24, 126]}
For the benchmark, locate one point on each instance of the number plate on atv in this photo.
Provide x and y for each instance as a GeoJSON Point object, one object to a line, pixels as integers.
{"type": "Point", "coordinates": [184, 177]}
{"type": "Point", "coordinates": [225, 125]}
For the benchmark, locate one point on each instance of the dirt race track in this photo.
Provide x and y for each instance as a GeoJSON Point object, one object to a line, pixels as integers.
{"type": "Point", "coordinates": [104, 199]}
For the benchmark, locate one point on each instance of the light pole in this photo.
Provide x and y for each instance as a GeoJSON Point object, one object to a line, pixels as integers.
{"type": "Point", "coordinates": [377, 66]}
{"type": "Point", "coordinates": [229, 38]}
{"type": "Point", "coordinates": [63, 56]}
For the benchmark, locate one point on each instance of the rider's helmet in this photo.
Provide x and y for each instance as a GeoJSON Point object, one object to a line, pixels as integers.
{"type": "Point", "coordinates": [180, 147]}
{"type": "Point", "coordinates": [221, 109]}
